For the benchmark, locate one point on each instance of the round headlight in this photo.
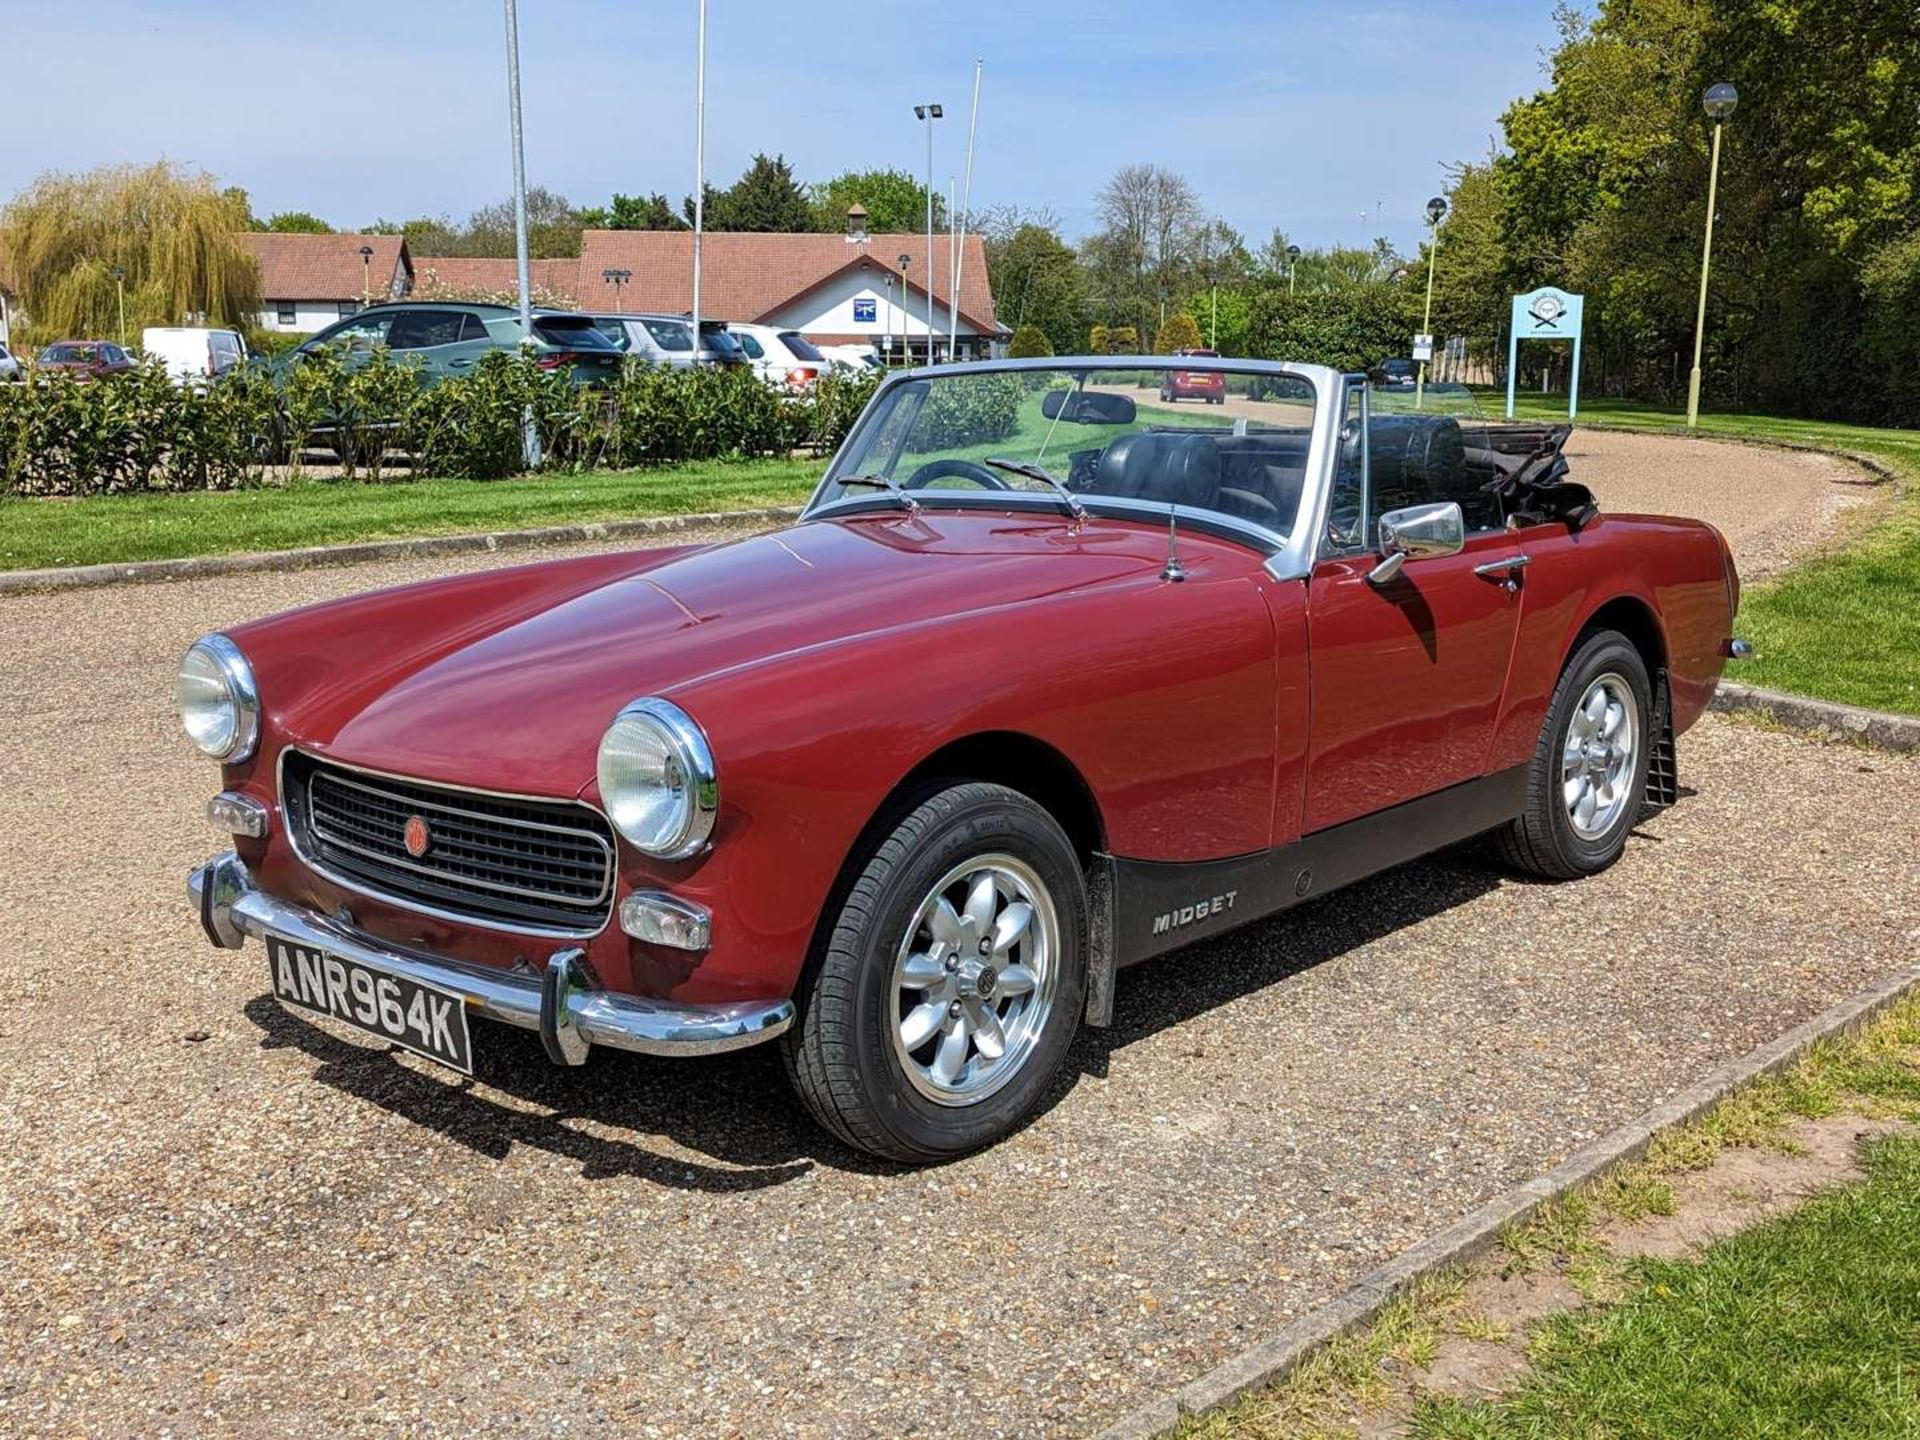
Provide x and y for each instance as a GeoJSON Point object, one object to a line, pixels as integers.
{"type": "Point", "coordinates": [657, 779]}
{"type": "Point", "coordinates": [218, 702]}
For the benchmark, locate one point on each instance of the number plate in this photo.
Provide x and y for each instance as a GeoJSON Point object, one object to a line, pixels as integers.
{"type": "Point", "coordinates": [421, 1018]}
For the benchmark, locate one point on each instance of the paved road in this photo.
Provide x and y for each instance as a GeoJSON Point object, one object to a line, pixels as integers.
{"type": "Point", "coordinates": [221, 1219]}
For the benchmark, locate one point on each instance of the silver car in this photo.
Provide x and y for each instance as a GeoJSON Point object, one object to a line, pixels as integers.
{"type": "Point", "coordinates": [9, 366]}
{"type": "Point", "coordinates": [668, 339]}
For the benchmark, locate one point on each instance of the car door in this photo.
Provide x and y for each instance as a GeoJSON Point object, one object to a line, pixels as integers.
{"type": "Point", "coordinates": [1406, 676]}
{"type": "Point", "coordinates": [440, 342]}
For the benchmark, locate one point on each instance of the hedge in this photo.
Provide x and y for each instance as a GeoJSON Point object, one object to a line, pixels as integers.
{"type": "Point", "coordinates": [139, 432]}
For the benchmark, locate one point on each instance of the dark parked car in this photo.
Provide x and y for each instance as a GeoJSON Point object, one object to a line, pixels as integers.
{"type": "Point", "coordinates": [446, 338]}
{"type": "Point", "coordinates": [85, 359]}
{"type": "Point", "coordinates": [1393, 373]}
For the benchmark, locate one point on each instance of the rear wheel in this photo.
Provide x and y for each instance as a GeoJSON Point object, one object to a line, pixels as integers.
{"type": "Point", "coordinates": [1589, 771]}
{"type": "Point", "coordinates": [952, 982]}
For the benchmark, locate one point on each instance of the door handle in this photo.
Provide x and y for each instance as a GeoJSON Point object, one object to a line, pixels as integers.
{"type": "Point", "coordinates": [1503, 568]}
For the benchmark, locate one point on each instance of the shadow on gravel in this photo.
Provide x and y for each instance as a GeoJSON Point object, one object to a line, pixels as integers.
{"type": "Point", "coordinates": [1174, 988]}
{"type": "Point", "coordinates": [739, 1113]}
{"type": "Point", "coordinates": [737, 1110]}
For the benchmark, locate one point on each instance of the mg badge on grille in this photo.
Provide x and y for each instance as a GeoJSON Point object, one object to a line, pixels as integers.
{"type": "Point", "coordinates": [416, 837]}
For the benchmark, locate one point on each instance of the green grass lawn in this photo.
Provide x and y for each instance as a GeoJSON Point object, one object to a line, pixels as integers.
{"type": "Point", "coordinates": [114, 528]}
{"type": "Point", "coordinates": [1843, 625]}
{"type": "Point", "coordinates": [1808, 1325]}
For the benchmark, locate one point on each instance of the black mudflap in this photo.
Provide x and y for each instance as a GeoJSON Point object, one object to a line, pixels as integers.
{"type": "Point", "coordinates": [1663, 766]}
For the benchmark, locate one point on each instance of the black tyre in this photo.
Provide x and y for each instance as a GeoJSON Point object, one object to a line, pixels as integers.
{"type": "Point", "coordinates": [952, 982]}
{"type": "Point", "coordinates": [1589, 772]}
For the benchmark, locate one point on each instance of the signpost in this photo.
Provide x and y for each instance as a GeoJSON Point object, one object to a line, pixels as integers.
{"type": "Point", "coordinates": [1423, 347]}
{"type": "Point", "coordinates": [1546, 314]}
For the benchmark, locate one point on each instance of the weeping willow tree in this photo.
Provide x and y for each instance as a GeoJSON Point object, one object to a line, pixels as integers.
{"type": "Point", "coordinates": [171, 233]}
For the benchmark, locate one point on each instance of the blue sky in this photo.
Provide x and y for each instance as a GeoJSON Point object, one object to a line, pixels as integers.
{"type": "Point", "coordinates": [1307, 117]}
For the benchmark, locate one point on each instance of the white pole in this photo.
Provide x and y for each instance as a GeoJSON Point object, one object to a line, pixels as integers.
{"type": "Point", "coordinates": [699, 167]}
{"type": "Point", "coordinates": [519, 170]}
{"type": "Point", "coordinates": [529, 432]}
{"type": "Point", "coordinates": [960, 220]}
{"type": "Point", "coordinates": [953, 268]}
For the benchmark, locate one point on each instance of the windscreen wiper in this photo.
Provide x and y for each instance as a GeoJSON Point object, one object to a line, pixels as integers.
{"type": "Point", "coordinates": [887, 483]}
{"type": "Point", "coordinates": [1034, 472]}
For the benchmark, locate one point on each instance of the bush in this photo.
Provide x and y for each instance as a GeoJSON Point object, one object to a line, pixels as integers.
{"type": "Point", "coordinates": [1029, 342]}
{"type": "Point", "coordinates": [969, 410]}
{"type": "Point", "coordinates": [1179, 332]}
{"type": "Point", "coordinates": [135, 432]}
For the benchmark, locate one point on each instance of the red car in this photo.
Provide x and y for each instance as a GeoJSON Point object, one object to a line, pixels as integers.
{"type": "Point", "coordinates": [84, 359]}
{"type": "Point", "coordinates": [1209, 385]}
{"type": "Point", "coordinates": [1034, 690]}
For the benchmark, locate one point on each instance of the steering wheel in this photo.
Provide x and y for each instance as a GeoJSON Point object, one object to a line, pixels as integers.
{"type": "Point", "coordinates": [958, 470]}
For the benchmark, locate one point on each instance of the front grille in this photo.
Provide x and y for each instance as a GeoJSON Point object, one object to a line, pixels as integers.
{"type": "Point", "coordinates": [500, 861]}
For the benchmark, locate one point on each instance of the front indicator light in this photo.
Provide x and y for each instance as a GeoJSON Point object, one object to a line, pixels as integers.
{"type": "Point", "coordinates": [234, 814]}
{"type": "Point", "coordinates": [663, 920]}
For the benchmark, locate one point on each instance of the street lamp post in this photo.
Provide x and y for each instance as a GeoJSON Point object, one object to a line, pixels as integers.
{"type": "Point", "coordinates": [1436, 212]}
{"type": "Point", "coordinates": [906, 320]}
{"type": "Point", "coordinates": [1293, 259]}
{"type": "Point", "coordinates": [366, 275]}
{"type": "Point", "coordinates": [929, 113]}
{"type": "Point", "coordinates": [618, 278]}
{"type": "Point", "coordinates": [1718, 101]}
{"type": "Point", "coordinates": [119, 274]}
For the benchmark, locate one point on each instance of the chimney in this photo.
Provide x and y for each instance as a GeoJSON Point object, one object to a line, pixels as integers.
{"type": "Point", "coordinates": [856, 224]}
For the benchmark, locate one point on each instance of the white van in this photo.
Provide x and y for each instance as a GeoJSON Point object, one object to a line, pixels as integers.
{"type": "Point", "coordinates": [192, 353]}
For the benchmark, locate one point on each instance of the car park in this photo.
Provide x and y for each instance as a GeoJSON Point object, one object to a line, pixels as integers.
{"type": "Point", "coordinates": [668, 339]}
{"type": "Point", "coordinates": [193, 354]}
{"type": "Point", "coordinates": [84, 359]}
{"type": "Point", "coordinates": [785, 358]}
{"type": "Point", "coordinates": [1194, 384]}
{"type": "Point", "coordinates": [445, 338]}
{"type": "Point", "coordinates": [1040, 685]}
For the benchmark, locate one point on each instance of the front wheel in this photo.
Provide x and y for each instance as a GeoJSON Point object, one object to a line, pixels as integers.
{"type": "Point", "coordinates": [1589, 772]}
{"type": "Point", "coordinates": [952, 983]}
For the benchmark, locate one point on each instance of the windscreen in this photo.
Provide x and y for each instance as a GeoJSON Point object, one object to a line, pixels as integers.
{"type": "Point", "coordinates": [1134, 434]}
{"type": "Point", "coordinates": [572, 332]}
{"type": "Point", "coordinates": [802, 348]}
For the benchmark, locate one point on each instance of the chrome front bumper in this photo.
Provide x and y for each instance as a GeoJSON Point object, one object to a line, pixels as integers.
{"type": "Point", "coordinates": [563, 1004]}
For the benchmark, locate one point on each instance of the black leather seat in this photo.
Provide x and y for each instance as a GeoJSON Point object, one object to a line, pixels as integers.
{"type": "Point", "coordinates": [1162, 468]}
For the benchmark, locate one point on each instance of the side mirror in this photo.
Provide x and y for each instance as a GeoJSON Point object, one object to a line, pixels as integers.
{"type": "Point", "coordinates": [1419, 532]}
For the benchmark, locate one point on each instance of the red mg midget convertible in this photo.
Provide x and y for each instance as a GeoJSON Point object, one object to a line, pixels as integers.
{"type": "Point", "coordinates": [1046, 680]}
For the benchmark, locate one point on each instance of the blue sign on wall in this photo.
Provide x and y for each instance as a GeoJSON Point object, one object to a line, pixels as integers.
{"type": "Point", "coordinates": [866, 312]}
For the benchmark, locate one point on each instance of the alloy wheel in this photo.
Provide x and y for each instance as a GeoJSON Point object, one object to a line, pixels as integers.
{"type": "Point", "coordinates": [974, 979]}
{"type": "Point", "coordinates": [1597, 756]}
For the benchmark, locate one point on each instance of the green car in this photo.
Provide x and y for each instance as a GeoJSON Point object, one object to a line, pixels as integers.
{"type": "Point", "coordinates": [446, 338]}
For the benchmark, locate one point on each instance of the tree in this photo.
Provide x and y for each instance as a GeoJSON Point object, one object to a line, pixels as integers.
{"type": "Point", "coordinates": [296, 222]}
{"type": "Point", "coordinates": [1037, 281]}
{"type": "Point", "coordinates": [893, 199]}
{"type": "Point", "coordinates": [1097, 339]}
{"type": "Point", "coordinates": [766, 198]}
{"type": "Point", "coordinates": [634, 212]}
{"type": "Point", "coordinates": [553, 227]}
{"type": "Point", "coordinates": [1141, 257]}
{"type": "Point", "coordinates": [1181, 332]}
{"type": "Point", "coordinates": [171, 231]}
{"type": "Point", "coordinates": [1028, 342]}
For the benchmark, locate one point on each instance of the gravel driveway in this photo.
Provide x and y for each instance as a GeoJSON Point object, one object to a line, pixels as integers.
{"type": "Point", "coordinates": [222, 1219]}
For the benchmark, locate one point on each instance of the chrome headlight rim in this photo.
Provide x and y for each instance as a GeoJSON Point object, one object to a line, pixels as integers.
{"type": "Point", "coordinates": [242, 693]}
{"type": "Point", "coordinates": [687, 743]}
